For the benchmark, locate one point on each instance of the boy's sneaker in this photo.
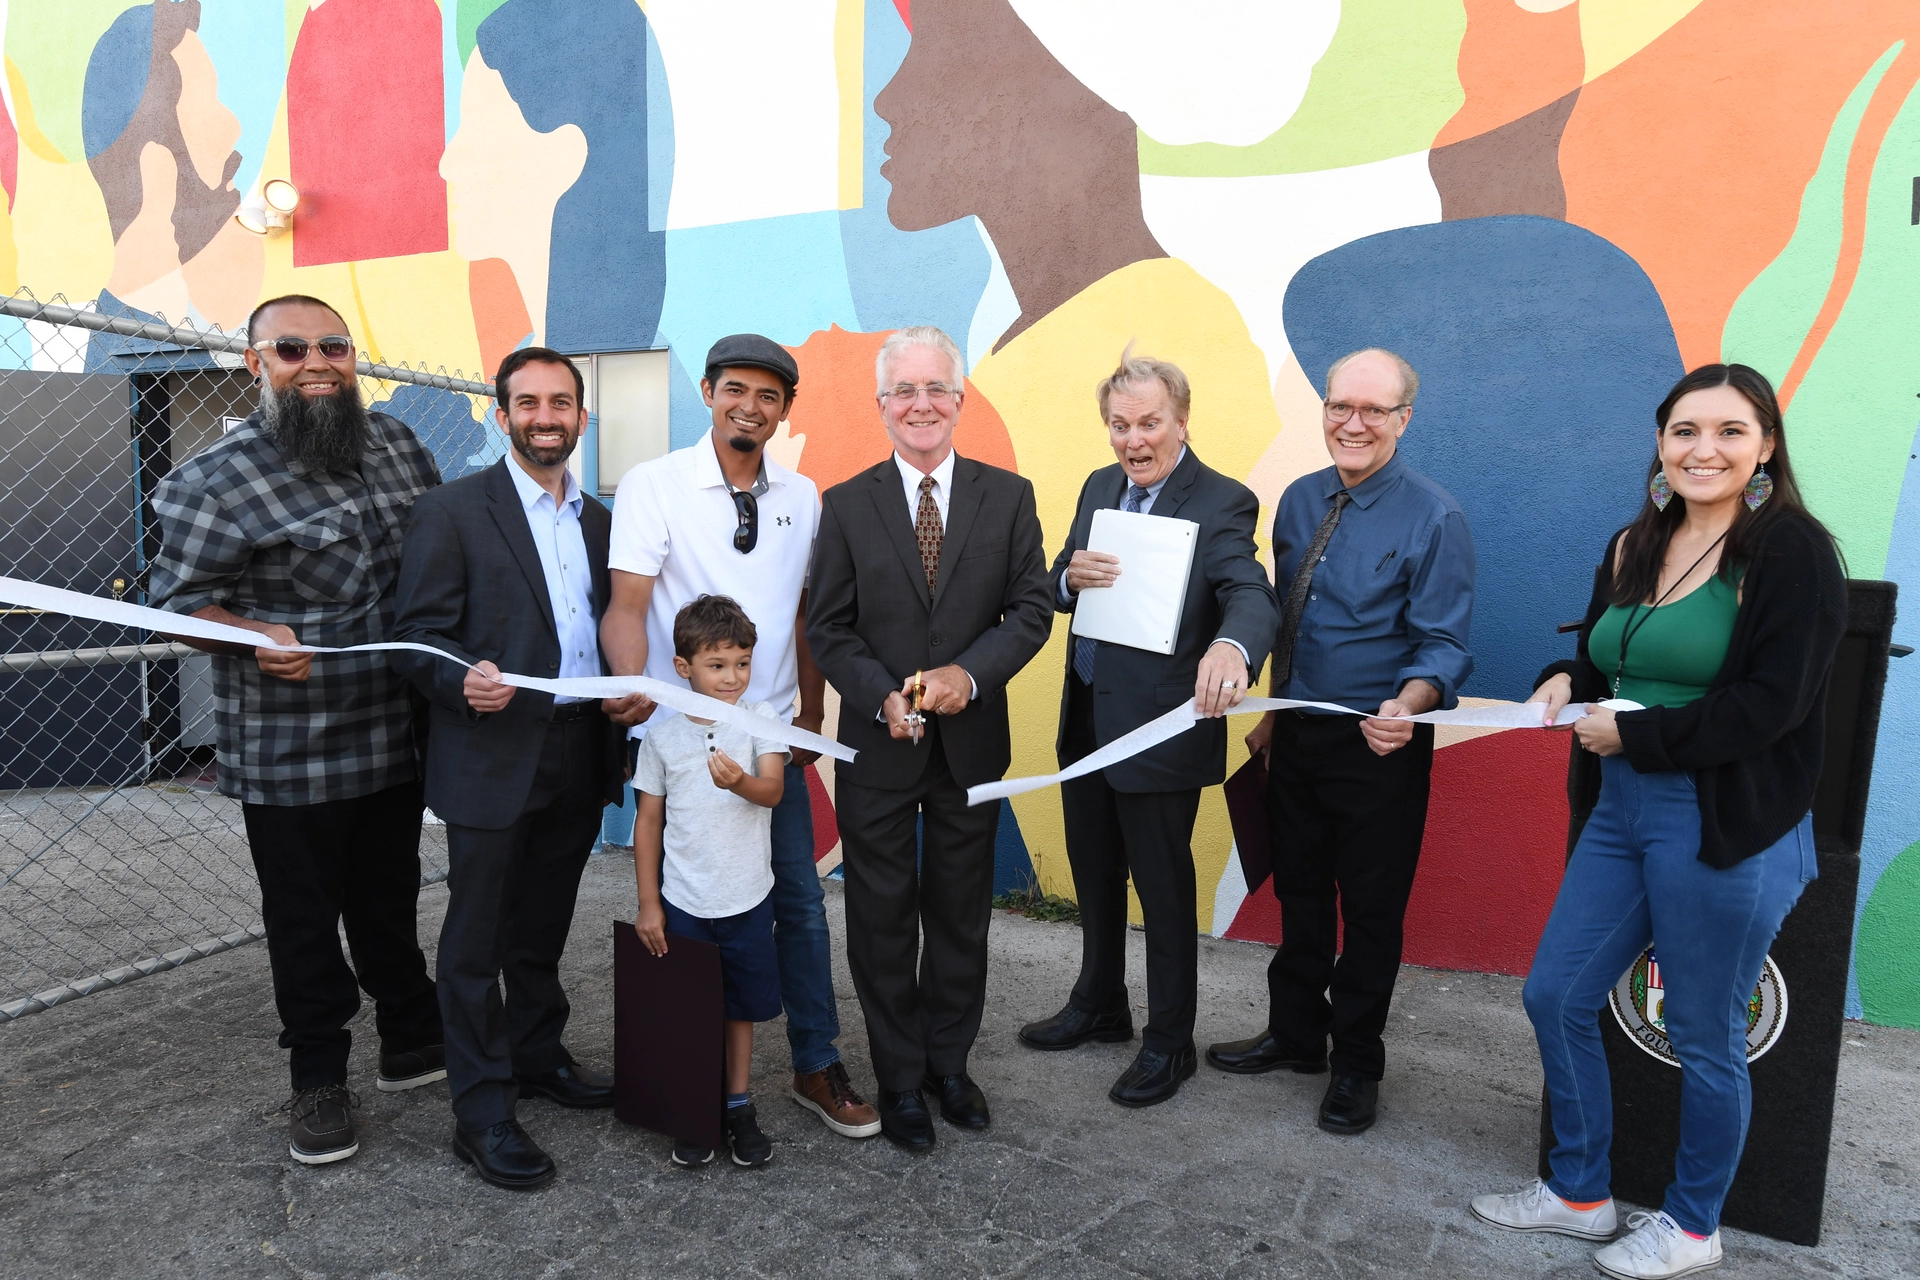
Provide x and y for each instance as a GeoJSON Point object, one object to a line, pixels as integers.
{"type": "Point", "coordinates": [322, 1129]}
{"type": "Point", "coordinates": [1535, 1208]}
{"type": "Point", "coordinates": [1656, 1248]}
{"type": "Point", "coordinates": [402, 1071]}
{"type": "Point", "coordinates": [751, 1148]}
{"type": "Point", "coordinates": [688, 1156]}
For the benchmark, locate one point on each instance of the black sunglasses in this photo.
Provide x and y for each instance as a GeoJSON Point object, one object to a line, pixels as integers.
{"type": "Point", "coordinates": [747, 536]}
{"type": "Point", "coordinates": [294, 350]}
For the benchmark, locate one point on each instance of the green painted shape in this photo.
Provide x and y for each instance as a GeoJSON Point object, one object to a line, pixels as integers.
{"type": "Point", "coordinates": [467, 22]}
{"type": "Point", "coordinates": [1888, 947]}
{"type": "Point", "coordinates": [1854, 415]}
{"type": "Point", "coordinates": [1385, 87]}
{"type": "Point", "coordinates": [1771, 317]}
{"type": "Point", "coordinates": [296, 13]}
{"type": "Point", "coordinates": [50, 43]}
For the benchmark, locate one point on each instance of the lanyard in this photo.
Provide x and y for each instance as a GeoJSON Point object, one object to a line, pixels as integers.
{"type": "Point", "coordinates": [1630, 627]}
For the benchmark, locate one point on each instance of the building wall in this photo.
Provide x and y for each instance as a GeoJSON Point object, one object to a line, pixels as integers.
{"type": "Point", "coordinates": [1552, 207]}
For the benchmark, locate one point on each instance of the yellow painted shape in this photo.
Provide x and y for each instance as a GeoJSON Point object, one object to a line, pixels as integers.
{"type": "Point", "coordinates": [9, 256]}
{"type": "Point", "coordinates": [23, 118]}
{"type": "Point", "coordinates": [1611, 31]}
{"type": "Point", "coordinates": [1042, 385]}
{"type": "Point", "coordinates": [849, 64]}
{"type": "Point", "coordinates": [60, 229]}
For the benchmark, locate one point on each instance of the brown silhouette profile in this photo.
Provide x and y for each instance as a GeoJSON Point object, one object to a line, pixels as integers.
{"type": "Point", "coordinates": [987, 122]}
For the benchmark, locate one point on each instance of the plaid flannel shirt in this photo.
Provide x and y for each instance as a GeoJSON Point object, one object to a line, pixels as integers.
{"type": "Point", "coordinates": [318, 552]}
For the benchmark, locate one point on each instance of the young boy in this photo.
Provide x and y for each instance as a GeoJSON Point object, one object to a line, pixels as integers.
{"type": "Point", "coordinates": [703, 851]}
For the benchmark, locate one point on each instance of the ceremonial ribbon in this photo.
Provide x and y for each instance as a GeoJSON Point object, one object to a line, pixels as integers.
{"type": "Point", "coordinates": [32, 595]}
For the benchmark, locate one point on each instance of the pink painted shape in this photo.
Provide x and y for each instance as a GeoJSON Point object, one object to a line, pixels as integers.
{"type": "Point", "coordinates": [903, 6]}
{"type": "Point", "coordinates": [365, 127]}
{"type": "Point", "coordinates": [826, 827]}
{"type": "Point", "coordinates": [9, 156]}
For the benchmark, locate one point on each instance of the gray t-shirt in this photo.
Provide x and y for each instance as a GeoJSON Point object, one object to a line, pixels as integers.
{"type": "Point", "coordinates": [718, 858]}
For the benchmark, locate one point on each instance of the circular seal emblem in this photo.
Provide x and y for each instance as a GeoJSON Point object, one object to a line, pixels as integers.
{"type": "Point", "coordinates": [1639, 1006]}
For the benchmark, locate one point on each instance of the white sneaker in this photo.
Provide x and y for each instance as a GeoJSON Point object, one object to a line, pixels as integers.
{"type": "Point", "coordinates": [1535, 1208]}
{"type": "Point", "coordinates": [1656, 1248]}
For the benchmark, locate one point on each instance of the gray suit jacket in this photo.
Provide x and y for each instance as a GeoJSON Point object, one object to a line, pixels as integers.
{"type": "Point", "coordinates": [471, 583]}
{"type": "Point", "coordinates": [1228, 596]}
{"type": "Point", "coordinates": [870, 624]}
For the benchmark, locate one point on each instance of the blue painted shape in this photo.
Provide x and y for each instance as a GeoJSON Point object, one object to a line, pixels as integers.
{"type": "Point", "coordinates": [247, 41]}
{"type": "Point", "coordinates": [781, 277]}
{"type": "Point", "coordinates": [444, 421]}
{"type": "Point", "coordinates": [687, 414]}
{"type": "Point", "coordinates": [16, 344]}
{"type": "Point", "coordinates": [659, 135]}
{"type": "Point", "coordinates": [1542, 351]}
{"type": "Point", "coordinates": [116, 79]}
{"type": "Point", "coordinates": [453, 73]}
{"type": "Point", "coordinates": [584, 62]}
{"type": "Point", "coordinates": [1012, 865]}
{"type": "Point", "coordinates": [1893, 809]}
{"type": "Point", "coordinates": [898, 278]}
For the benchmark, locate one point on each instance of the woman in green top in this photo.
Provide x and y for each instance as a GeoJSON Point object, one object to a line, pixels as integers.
{"type": "Point", "coordinates": [1717, 612]}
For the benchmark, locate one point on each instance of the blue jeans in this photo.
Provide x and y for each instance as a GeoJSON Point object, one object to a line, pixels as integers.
{"type": "Point", "coordinates": [800, 932]}
{"type": "Point", "coordinates": [1636, 878]}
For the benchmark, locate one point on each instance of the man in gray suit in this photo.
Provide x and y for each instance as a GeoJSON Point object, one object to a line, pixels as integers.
{"type": "Point", "coordinates": [507, 569]}
{"type": "Point", "coordinates": [928, 562]}
{"type": "Point", "coordinates": [1136, 817]}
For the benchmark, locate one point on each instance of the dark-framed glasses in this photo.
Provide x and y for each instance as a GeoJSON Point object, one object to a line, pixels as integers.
{"type": "Point", "coordinates": [1373, 415]}
{"type": "Point", "coordinates": [294, 350]}
{"type": "Point", "coordinates": [907, 393]}
{"type": "Point", "coordinates": [748, 509]}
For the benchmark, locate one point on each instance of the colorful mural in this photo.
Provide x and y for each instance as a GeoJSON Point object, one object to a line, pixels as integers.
{"type": "Point", "coordinates": [1551, 207]}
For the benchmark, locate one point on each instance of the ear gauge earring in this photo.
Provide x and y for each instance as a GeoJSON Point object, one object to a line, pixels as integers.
{"type": "Point", "coordinates": [1759, 489]}
{"type": "Point", "coordinates": [1660, 491]}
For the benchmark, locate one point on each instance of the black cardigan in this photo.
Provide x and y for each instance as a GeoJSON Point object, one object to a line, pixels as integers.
{"type": "Point", "coordinates": [1754, 742]}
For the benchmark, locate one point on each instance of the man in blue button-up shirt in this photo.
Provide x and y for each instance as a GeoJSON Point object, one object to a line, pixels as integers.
{"type": "Point", "coordinates": [1374, 568]}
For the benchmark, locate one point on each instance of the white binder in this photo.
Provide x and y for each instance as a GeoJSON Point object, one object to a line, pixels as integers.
{"type": "Point", "coordinates": [1142, 608]}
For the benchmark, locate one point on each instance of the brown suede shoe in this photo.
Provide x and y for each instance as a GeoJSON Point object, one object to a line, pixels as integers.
{"type": "Point", "coordinates": [829, 1094]}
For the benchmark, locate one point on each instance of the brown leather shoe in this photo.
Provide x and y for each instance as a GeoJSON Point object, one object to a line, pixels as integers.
{"type": "Point", "coordinates": [829, 1095]}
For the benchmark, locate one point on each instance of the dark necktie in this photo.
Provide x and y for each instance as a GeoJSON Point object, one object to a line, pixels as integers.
{"type": "Point", "coordinates": [1297, 593]}
{"type": "Point", "coordinates": [1084, 648]}
{"type": "Point", "coordinates": [927, 531]}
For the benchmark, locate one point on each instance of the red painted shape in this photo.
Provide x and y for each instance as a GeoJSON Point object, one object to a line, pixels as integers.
{"type": "Point", "coordinates": [903, 6]}
{"type": "Point", "coordinates": [500, 318]}
{"type": "Point", "coordinates": [9, 156]}
{"type": "Point", "coordinates": [1258, 919]}
{"type": "Point", "coordinates": [365, 129]}
{"type": "Point", "coordinates": [826, 827]}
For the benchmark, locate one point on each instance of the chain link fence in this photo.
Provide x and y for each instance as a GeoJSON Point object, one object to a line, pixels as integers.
{"type": "Point", "coordinates": [118, 858]}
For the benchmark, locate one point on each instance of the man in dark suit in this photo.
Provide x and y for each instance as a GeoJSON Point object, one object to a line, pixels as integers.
{"type": "Point", "coordinates": [1136, 817]}
{"type": "Point", "coordinates": [933, 563]}
{"type": "Point", "coordinates": [508, 569]}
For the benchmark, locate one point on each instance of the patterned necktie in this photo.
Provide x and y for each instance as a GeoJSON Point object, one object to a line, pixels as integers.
{"type": "Point", "coordinates": [1084, 648]}
{"type": "Point", "coordinates": [1297, 593]}
{"type": "Point", "coordinates": [926, 528]}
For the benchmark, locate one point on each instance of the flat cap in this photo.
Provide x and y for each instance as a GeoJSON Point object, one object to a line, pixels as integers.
{"type": "Point", "coordinates": [755, 351]}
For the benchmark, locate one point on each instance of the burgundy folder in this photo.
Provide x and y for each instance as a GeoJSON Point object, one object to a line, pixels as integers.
{"type": "Point", "coordinates": [669, 1038]}
{"type": "Point", "coordinates": [1246, 793]}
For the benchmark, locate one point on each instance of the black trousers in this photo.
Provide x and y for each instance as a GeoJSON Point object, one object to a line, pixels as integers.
{"type": "Point", "coordinates": [1346, 827]}
{"type": "Point", "coordinates": [510, 904]}
{"type": "Point", "coordinates": [922, 1002]}
{"type": "Point", "coordinates": [354, 861]}
{"type": "Point", "coordinates": [1148, 836]}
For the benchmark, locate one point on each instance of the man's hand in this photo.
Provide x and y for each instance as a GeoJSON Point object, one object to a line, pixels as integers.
{"type": "Point", "coordinates": [811, 723]}
{"type": "Point", "coordinates": [1388, 736]}
{"type": "Point", "coordinates": [896, 709]}
{"type": "Point", "coordinates": [949, 689]}
{"type": "Point", "coordinates": [630, 710]}
{"type": "Point", "coordinates": [1091, 569]}
{"type": "Point", "coordinates": [1260, 737]}
{"type": "Point", "coordinates": [1599, 731]}
{"type": "Point", "coordinates": [485, 693]}
{"type": "Point", "coordinates": [278, 662]}
{"type": "Point", "coordinates": [1222, 681]}
{"type": "Point", "coordinates": [726, 773]}
{"type": "Point", "coordinates": [651, 924]}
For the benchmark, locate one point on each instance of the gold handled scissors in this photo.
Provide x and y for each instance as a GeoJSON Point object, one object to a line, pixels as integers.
{"type": "Point", "coordinates": [916, 718]}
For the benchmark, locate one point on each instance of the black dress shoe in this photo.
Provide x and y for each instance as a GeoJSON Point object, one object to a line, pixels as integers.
{"type": "Point", "coordinates": [504, 1155]}
{"type": "Point", "coordinates": [961, 1102]}
{"type": "Point", "coordinates": [1260, 1054]}
{"type": "Point", "coordinates": [1072, 1026]}
{"type": "Point", "coordinates": [1349, 1104]}
{"type": "Point", "coordinates": [571, 1086]}
{"type": "Point", "coordinates": [1153, 1077]}
{"type": "Point", "coordinates": [905, 1120]}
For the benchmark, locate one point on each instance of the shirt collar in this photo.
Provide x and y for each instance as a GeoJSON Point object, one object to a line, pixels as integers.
{"type": "Point", "coordinates": [942, 474]}
{"type": "Point", "coordinates": [709, 476]}
{"type": "Point", "coordinates": [530, 491]}
{"type": "Point", "coordinates": [1367, 491]}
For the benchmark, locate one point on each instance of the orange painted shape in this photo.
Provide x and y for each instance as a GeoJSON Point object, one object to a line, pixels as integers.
{"type": "Point", "coordinates": [835, 411]}
{"type": "Point", "coordinates": [500, 318]}
{"type": "Point", "coordinates": [1692, 155]}
{"type": "Point", "coordinates": [1513, 62]}
{"type": "Point", "coordinates": [1887, 100]}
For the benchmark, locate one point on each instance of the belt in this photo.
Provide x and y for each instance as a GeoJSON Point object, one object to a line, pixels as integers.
{"type": "Point", "coordinates": [573, 712]}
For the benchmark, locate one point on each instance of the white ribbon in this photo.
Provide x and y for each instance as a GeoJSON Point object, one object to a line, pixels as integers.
{"type": "Point", "coordinates": [32, 595]}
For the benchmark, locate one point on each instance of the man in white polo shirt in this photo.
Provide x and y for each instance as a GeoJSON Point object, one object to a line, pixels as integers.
{"type": "Point", "coordinates": [721, 518]}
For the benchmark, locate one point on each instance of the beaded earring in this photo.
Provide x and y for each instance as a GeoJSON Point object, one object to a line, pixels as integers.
{"type": "Point", "coordinates": [1659, 490]}
{"type": "Point", "coordinates": [1759, 489]}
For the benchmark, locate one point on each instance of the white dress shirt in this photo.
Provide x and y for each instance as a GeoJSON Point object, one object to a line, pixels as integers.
{"type": "Point", "coordinates": [563, 559]}
{"type": "Point", "coordinates": [910, 477]}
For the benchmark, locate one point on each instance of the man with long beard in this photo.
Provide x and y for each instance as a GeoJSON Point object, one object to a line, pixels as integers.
{"type": "Point", "coordinates": [291, 526]}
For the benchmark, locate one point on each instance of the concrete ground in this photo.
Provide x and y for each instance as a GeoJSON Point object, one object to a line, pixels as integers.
{"type": "Point", "coordinates": [139, 1136]}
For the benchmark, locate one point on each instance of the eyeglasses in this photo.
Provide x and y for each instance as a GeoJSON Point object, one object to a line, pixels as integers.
{"type": "Point", "coordinates": [748, 534]}
{"type": "Point", "coordinates": [1373, 415]}
{"type": "Point", "coordinates": [907, 393]}
{"type": "Point", "coordinates": [294, 350]}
